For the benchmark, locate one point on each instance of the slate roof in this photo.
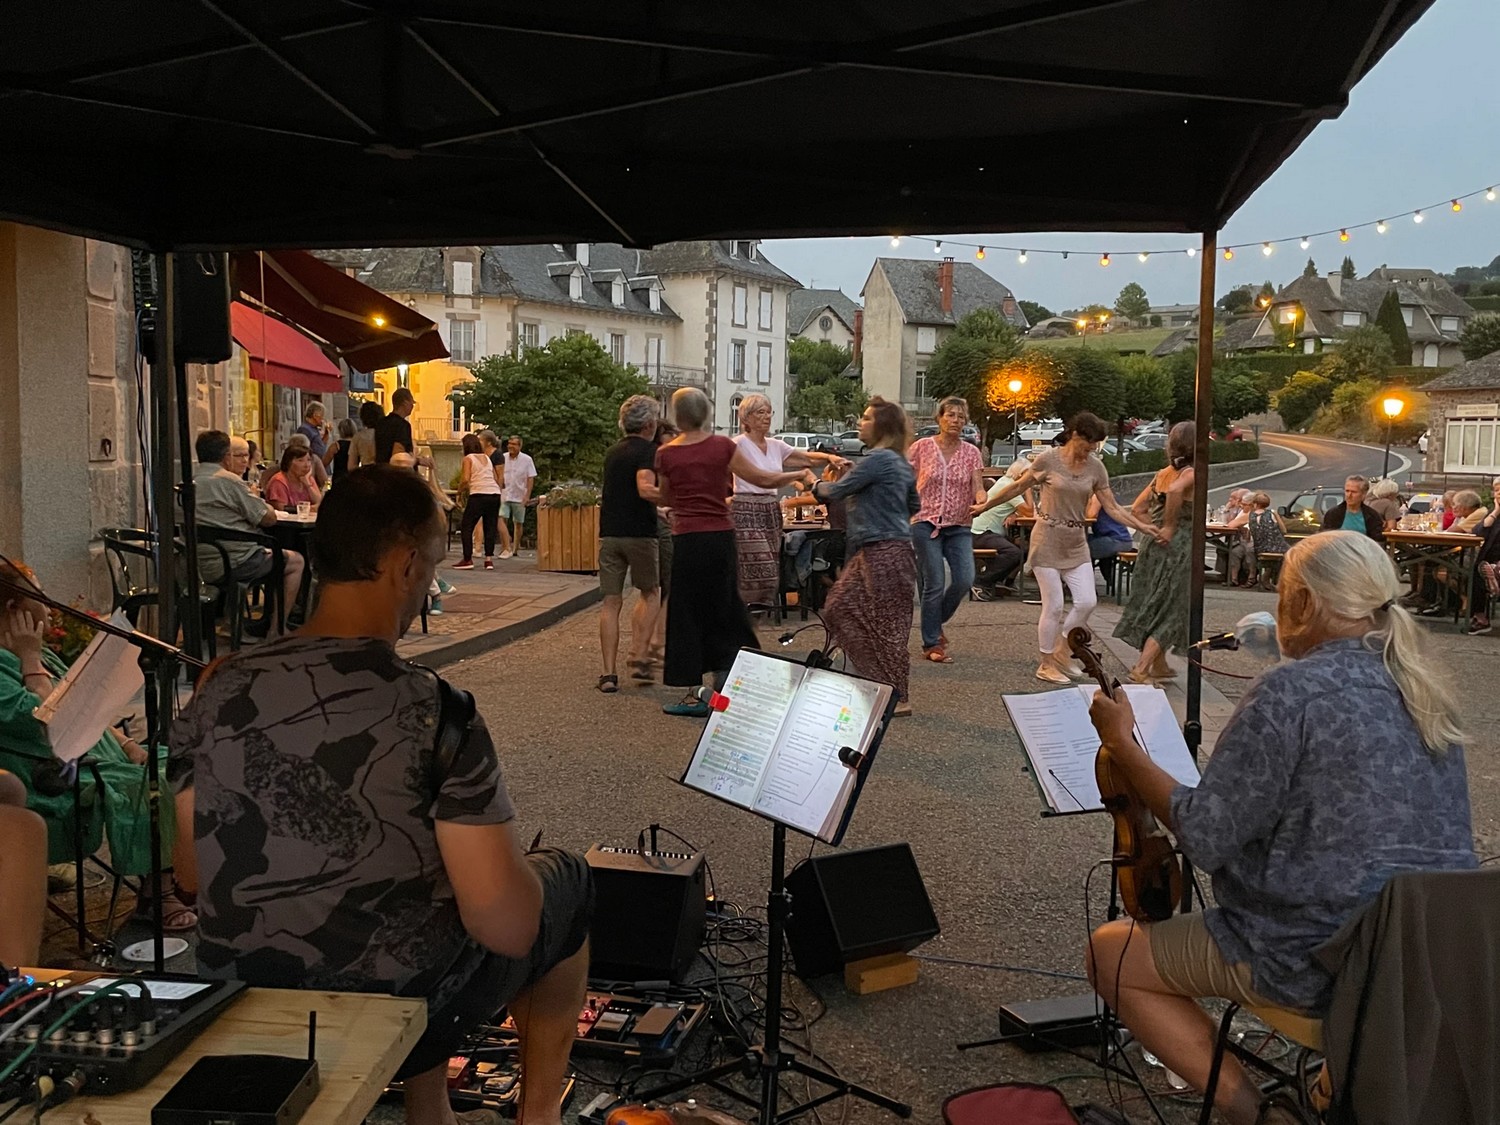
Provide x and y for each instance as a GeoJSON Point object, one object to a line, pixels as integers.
{"type": "Point", "coordinates": [1482, 374]}
{"type": "Point", "coordinates": [803, 304]}
{"type": "Point", "coordinates": [535, 273]}
{"type": "Point", "coordinates": [915, 284]}
{"type": "Point", "coordinates": [709, 256]}
{"type": "Point", "coordinates": [1178, 341]}
{"type": "Point", "coordinates": [1322, 306]}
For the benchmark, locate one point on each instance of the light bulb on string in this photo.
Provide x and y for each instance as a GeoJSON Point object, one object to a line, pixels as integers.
{"type": "Point", "coordinates": [1104, 260]}
{"type": "Point", "coordinates": [1228, 253]}
{"type": "Point", "coordinates": [1266, 248]}
{"type": "Point", "coordinates": [1021, 257]}
{"type": "Point", "coordinates": [1343, 236]}
{"type": "Point", "coordinates": [1380, 227]}
{"type": "Point", "coordinates": [1305, 243]}
{"type": "Point", "coordinates": [895, 240]}
{"type": "Point", "coordinates": [1457, 206]}
{"type": "Point", "coordinates": [1416, 217]}
{"type": "Point", "coordinates": [937, 247]}
{"type": "Point", "coordinates": [1490, 195]}
{"type": "Point", "coordinates": [979, 254]}
{"type": "Point", "coordinates": [1065, 255]}
{"type": "Point", "coordinates": [1143, 255]}
{"type": "Point", "coordinates": [1192, 251]}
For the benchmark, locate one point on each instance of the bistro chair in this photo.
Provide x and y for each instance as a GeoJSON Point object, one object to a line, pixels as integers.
{"type": "Point", "coordinates": [130, 555]}
{"type": "Point", "coordinates": [237, 599]}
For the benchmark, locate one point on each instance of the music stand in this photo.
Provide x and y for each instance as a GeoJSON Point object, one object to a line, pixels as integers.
{"type": "Point", "coordinates": [158, 661]}
{"type": "Point", "coordinates": [773, 1057]}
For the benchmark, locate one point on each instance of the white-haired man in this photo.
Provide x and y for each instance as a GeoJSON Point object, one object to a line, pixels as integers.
{"type": "Point", "coordinates": [628, 540]}
{"type": "Point", "coordinates": [994, 577]}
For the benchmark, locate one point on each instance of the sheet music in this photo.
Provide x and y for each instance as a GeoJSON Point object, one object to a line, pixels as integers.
{"type": "Point", "coordinates": [1061, 742]}
{"type": "Point", "coordinates": [806, 785]}
{"type": "Point", "coordinates": [93, 695]}
{"type": "Point", "coordinates": [737, 743]}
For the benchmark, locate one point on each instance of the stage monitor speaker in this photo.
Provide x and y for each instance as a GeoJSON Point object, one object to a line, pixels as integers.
{"type": "Point", "coordinates": [648, 913]}
{"type": "Point", "coordinates": [202, 282]}
{"type": "Point", "coordinates": [850, 905]}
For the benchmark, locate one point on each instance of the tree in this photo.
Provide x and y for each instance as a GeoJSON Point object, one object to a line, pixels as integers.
{"type": "Point", "coordinates": [1035, 313]}
{"type": "Point", "coordinates": [1303, 395]}
{"type": "Point", "coordinates": [1236, 394]}
{"type": "Point", "coordinates": [1363, 354]}
{"type": "Point", "coordinates": [1146, 387]}
{"type": "Point", "coordinates": [564, 397]}
{"type": "Point", "coordinates": [1390, 321]}
{"type": "Point", "coordinates": [1237, 300]}
{"type": "Point", "coordinates": [1347, 271]}
{"type": "Point", "coordinates": [1132, 304]}
{"type": "Point", "coordinates": [968, 362]}
{"type": "Point", "coordinates": [1268, 292]}
{"type": "Point", "coordinates": [1182, 368]}
{"type": "Point", "coordinates": [820, 363]}
{"type": "Point", "coordinates": [1040, 378]}
{"type": "Point", "coordinates": [814, 404]}
{"type": "Point", "coordinates": [1311, 269]}
{"type": "Point", "coordinates": [1156, 320]}
{"type": "Point", "coordinates": [1480, 337]}
{"type": "Point", "coordinates": [1350, 412]}
{"type": "Point", "coordinates": [1090, 380]}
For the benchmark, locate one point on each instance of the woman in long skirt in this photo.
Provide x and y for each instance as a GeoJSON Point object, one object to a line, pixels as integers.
{"type": "Point", "coordinates": [707, 623]}
{"type": "Point", "coordinates": [869, 610]}
{"type": "Point", "coordinates": [756, 510]}
{"type": "Point", "coordinates": [1156, 617]}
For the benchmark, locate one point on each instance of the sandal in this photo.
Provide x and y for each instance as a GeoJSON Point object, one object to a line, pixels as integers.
{"type": "Point", "coordinates": [937, 654]}
{"type": "Point", "coordinates": [609, 684]}
{"type": "Point", "coordinates": [641, 670]}
{"type": "Point", "coordinates": [177, 917]}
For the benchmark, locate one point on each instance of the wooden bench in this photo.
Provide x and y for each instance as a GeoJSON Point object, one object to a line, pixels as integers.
{"type": "Point", "coordinates": [1124, 568]}
{"type": "Point", "coordinates": [1268, 569]}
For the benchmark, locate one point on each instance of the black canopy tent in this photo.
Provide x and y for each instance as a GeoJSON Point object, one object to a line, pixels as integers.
{"type": "Point", "coordinates": [198, 124]}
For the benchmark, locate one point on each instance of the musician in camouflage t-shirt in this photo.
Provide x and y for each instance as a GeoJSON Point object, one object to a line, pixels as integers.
{"type": "Point", "coordinates": [337, 849]}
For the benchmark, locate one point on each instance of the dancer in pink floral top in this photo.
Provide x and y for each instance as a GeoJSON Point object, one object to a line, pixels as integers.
{"type": "Point", "coordinates": [950, 482]}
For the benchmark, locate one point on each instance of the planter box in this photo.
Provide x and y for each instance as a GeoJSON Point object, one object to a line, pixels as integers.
{"type": "Point", "coordinates": [567, 538]}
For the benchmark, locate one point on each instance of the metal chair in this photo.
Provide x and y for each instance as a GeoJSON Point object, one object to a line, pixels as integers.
{"type": "Point", "coordinates": [236, 597]}
{"type": "Point", "coordinates": [130, 554]}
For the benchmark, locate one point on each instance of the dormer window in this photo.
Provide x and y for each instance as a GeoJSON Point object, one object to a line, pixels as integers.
{"type": "Point", "coordinates": [575, 285]}
{"type": "Point", "coordinates": [744, 248]}
{"type": "Point", "coordinates": [617, 292]}
{"type": "Point", "coordinates": [654, 299]}
{"type": "Point", "coordinates": [581, 254]}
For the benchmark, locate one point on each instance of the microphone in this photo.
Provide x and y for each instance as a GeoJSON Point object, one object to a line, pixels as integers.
{"type": "Point", "coordinates": [1255, 632]}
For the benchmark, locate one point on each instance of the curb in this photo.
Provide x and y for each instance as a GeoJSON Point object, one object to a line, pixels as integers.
{"type": "Point", "coordinates": [480, 643]}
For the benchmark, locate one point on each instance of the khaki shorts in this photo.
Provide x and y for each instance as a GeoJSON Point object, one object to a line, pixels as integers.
{"type": "Point", "coordinates": [1188, 959]}
{"type": "Point", "coordinates": [618, 554]}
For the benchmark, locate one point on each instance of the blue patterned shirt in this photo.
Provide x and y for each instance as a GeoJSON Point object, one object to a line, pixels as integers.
{"type": "Point", "coordinates": [1319, 789]}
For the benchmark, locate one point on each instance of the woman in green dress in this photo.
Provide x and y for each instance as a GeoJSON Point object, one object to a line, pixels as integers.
{"type": "Point", "coordinates": [1156, 617]}
{"type": "Point", "coordinates": [113, 773]}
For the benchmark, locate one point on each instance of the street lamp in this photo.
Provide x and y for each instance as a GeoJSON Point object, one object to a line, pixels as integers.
{"type": "Point", "coordinates": [1015, 386]}
{"type": "Point", "coordinates": [1392, 408]}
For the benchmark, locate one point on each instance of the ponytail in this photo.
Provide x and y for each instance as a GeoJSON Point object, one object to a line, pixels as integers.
{"type": "Point", "coordinates": [1428, 701]}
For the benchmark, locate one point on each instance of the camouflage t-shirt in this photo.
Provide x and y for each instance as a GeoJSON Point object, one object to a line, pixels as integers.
{"type": "Point", "coordinates": [311, 764]}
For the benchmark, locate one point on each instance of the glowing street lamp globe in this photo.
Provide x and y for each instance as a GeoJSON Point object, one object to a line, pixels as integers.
{"type": "Point", "coordinates": [1392, 407]}
{"type": "Point", "coordinates": [1014, 386]}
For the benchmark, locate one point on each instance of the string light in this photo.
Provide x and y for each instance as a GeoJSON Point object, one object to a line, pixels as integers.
{"type": "Point", "coordinates": [1380, 227]}
{"type": "Point", "coordinates": [1490, 195]}
{"type": "Point", "coordinates": [1143, 255]}
{"type": "Point", "coordinates": [1022, 257]}
{"type": "Point", "coordinates": [1343, 236]}
{"type": "Point", "coordinates": [895, 240]}
{"type": "Point", "coordinates": [1266, 248]}
{"type": "Point", "coordinates": [979, 254]}
{"type": "Point", "coordinates": [1416, 217]}
{"type": "Point", "coordinates": [1104, 260]}
{"type": "Point", "coordinates": [1305, 243]}
{"type": "Point", "coordinates": [1192, 251]}
{"type": "Point", "coordinates": [1457, 206]}
{"type": "Point", "coordinates": [937, 247]}
{"type": "Point", "coordinates": [1228, 253]}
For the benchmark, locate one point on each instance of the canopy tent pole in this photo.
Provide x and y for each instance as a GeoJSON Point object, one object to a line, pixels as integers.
{"type": "Point", "coordinates": [1203, 399]}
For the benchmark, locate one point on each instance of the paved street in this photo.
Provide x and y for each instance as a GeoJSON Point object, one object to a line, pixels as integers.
{"type": "Point", "coordinates": [1008, 886]}
{"type": "Point", "coordinates": [1323, 461]}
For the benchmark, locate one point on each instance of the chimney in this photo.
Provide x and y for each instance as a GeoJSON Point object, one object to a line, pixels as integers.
{"type": "Point", "coordinates": [1335, 282]}
{"type": "Point", "coordinates": [859, 335]}
{"type": "Point", "coordinates": [1008, 306]}
{"type": "Point", "coordinates": [945, 285]}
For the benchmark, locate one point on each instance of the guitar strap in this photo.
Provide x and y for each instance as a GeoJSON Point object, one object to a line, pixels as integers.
{"type": "Point", "coordinates": [456, 711]}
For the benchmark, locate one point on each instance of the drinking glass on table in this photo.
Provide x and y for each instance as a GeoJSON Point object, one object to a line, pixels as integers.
{"type": "Point", "coordinates": [304, 509]}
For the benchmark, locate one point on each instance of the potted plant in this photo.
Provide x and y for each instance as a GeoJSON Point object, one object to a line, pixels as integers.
{"type": "Point", "coordinates": [567, 528]}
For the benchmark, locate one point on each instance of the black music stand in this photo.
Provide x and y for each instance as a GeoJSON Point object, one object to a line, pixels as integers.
{"type": "Point", "coordinates": [774, 1057]}
{"type": "Point", "coordinates": [159, 663]}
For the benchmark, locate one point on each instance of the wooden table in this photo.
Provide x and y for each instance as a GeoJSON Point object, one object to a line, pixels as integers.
{"type": "Point", "coordinates": [1221, 537]}
{"type": "Point", "coordinates": [362, 1040]}
{"type": "Point", "coordinates": [1456, 551]}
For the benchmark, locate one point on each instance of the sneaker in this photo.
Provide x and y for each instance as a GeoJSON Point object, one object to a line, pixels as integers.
{"type": "Point", "coordinates": [446, 587]}
{"type": "Point", "coordinates": [507, 554]}
{"type": "Point", "coordinates": [1051, 674]}
{"type": "Point", "coordinates": [489, 563]}
{"type": "Point", "coordinates": [435, 608]}
{"type": "Point", "coordinates": [1480, 628]}
{"type": "Point", "coordinates": [691, 709]}
{"type": "Point", "coordinates": [980, 594]}
{"type": "Point", "coordinates": [464, 564]}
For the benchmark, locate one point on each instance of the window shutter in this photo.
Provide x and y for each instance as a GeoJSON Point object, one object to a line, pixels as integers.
{"type": "Point", "coordinates": [479, 340]}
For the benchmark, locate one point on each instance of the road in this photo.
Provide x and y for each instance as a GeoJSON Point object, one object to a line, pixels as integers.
{"type": "Point", "coordinates": [1312, 461]}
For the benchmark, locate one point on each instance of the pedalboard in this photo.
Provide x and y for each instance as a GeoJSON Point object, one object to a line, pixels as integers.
{"type": "Point", "coordinates": [633, 1025]}
{"type": "Point", "coordinates": [123, 1040]}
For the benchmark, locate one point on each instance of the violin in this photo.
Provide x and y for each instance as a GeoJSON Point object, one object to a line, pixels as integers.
{"type": "Point", "coordinates": [682, 1113]}
{"type": "Point", "coordinates": [1146, 865]}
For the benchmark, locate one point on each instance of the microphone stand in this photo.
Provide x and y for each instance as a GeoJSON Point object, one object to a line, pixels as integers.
{"type": "Point", "coordinates": [158, 661]}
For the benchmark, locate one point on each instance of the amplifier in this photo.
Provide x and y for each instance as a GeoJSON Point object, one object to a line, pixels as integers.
{"type": "Point", "coordinates": [648, 913]}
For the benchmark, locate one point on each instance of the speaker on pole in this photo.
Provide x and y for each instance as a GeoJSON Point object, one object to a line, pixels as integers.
{"type": "Point", "coordinates": [202, 320]}
{"type": "Point", "coordinates": [851, 905]}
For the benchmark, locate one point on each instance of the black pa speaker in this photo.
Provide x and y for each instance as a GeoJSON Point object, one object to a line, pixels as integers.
{"type": "Point", "coordinates": [648, 913]}
{"type": "Point", "coordinates": [847, 906]}
{"type": "Point", "coordinates": [202, 283]}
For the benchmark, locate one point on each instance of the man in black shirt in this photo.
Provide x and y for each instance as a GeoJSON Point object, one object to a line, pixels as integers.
{"type": "Point", "coordinates": [393, 432]}
{"type": "Point", "coordinates": [627, 539]}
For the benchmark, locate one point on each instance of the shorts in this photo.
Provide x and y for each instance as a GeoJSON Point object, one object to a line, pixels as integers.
{"type": "Point", "coordinates": [513, 510]}
{"type": "Point", "coordinates": [567, 914]}
{"type": "Point", "coordinates": [618, 554]}
{"type": "Point", "coordinates": [1188, 959]}
{"type": "Point", "coordinates": [254, 566]}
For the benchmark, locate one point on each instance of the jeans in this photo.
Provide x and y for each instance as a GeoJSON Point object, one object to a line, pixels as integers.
{"type": "Point", "coordinates": [956, 546]}
{"type": "Point", "coordinates": [1002, 568]}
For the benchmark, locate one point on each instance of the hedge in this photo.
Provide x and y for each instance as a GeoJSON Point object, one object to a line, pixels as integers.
{"type": "Point", "coordinates": [1488, 303]}
{"type": "Point", "coordinates": [1282, 364]}
{"type": "Point", "coordinates": [1149, 461]}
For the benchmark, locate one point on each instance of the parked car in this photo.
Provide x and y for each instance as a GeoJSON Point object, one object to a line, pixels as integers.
{"type": "Point", "coordinates": [1144, 426]}
{"type": "Point", "coordinates": [827, 443]}
{"type": "Point", "coordinates": [849, 443]}
{"type": "Point", "coordinates": [1044, 429]}
{"type": "Point", "coordinates": [970, 433]}
{"type": "Point", "coordinates": [1234, 433]}
{"type": "Point", "coordinates": [1152, 439]}
{"type": "Point", "coordinates": [926, 431]}
{"type": "Point", "coordinates": [1130, 444]}
{"type": "Point", "coordinates": [1308, 508]}
{"type": "Point", "coordinates": [1422, 502]}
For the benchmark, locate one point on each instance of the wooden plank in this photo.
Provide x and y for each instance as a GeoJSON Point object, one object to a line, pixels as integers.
{"type": "Point", "coordinates": [362, 1040]}
{"type": "Point", "coordinates": [876, 974]}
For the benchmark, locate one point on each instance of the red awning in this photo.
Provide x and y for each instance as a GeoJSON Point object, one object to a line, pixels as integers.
{"type": "Point", "coordinates": [366, 329]}
{"type": "Point", "coordinates": [281, 354]}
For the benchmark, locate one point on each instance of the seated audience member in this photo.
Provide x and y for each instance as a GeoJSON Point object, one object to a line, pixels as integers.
{"type": "Point", "coordinates": [1445, 507]}
{"type": "Point", "coordinates": [1107, 538]}
{"type": "Point", "coordinates": [1241, 565]}
{"type": "Point", "coordinates": [1468, 512]}
{"type": "Point", "coordinates": [1429, 581]}
{"type": "Point", "coordinates": [112, 777]}
{"type": "Point", "coordinates": [371, 845]}
{"type": "Point", "coordinates": [293, 484]}
{"type": "Point", "coordinates": [1385, 500]}
{"type": "Point", "coordinates": [1485, 569]}
{"type": "Point", "coordinates": [1267, 529]}
{"type": "Point", "coordinates": [224, 501]}
{"type": "Point", "coordinates": [1270, 821]}
{"type": "Point", "coordinates": [1354, 514]}
{"type": "Point", "coordinates": [994, 576]}
{"type": "Point", "coordinates": [23, 876]}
